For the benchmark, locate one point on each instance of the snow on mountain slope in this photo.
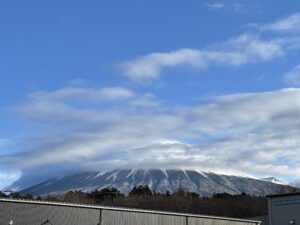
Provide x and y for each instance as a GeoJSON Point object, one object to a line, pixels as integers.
{"type": "Point", "coordinates": [274, 180]}
{"type": "Point", "coordinates": [204, 183]}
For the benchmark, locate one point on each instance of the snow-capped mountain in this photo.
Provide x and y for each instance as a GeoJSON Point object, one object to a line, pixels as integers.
{"type": "Point", "coordinates": [204, 183]}
{"type": "Point", "coordinates": [274, 180]}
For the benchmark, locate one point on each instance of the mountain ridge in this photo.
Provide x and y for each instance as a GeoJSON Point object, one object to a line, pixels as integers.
{"type": "Point", "coordinates": [274, 180]}
{"type": "Point", "coordinates": [159, 180]}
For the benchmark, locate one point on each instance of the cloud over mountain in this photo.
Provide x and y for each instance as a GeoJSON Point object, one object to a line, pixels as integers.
{"type": "Point", "coordinates": [254, 131]}
{"type": "Point", "coordinates": [249, 133]}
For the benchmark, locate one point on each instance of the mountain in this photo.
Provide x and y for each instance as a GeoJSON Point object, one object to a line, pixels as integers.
{"type": "Point", "coordinates": [274, 180]}
{"type": "Point", "coordinates": [204, 183]}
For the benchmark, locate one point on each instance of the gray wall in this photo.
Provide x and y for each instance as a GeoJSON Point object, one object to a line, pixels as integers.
{"type": "Point", "coordinates": [29, 214]}
{"type": "Point", "coordinates": [284, 209]}
{"type": "Point", "coordinates": [25, 213]}
{"type": "Point", "coordinates": [131, 218]}
{"type": "Point", "coordinates": [203, 221]}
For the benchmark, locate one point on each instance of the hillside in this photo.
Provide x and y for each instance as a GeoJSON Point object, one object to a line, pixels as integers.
{"type": "Point", "coordinates": [160, 181]}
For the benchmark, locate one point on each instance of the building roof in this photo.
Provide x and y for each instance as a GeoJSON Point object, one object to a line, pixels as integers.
{"type": "Point", "coordinates": [124, 209]}
{"type": "Point", "coordinates": [283, 194]}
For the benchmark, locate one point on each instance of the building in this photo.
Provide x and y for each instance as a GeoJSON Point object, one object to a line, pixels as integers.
{"type": "Point", "coordinates": [284, 209]}
{"type": "Point", "coordinates": [264, 220]}
{"type": "Point", "coordinates": [23, 212]}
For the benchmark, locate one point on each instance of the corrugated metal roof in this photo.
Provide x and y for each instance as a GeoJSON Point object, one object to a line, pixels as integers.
{"type": "Point", "coordinates": [124, 209]}
{"type": "Point", "coordinates": [283, 194]}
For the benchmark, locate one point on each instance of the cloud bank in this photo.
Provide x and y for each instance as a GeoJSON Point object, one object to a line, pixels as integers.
{"type": "Point", "coordinates": [254, 134]}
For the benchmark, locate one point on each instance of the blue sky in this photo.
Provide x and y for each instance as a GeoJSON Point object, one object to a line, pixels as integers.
{"type": "Point", "coordinates": [200, 84]}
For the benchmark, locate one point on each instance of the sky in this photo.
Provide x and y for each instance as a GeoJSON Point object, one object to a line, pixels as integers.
{"type": "Point", "coordinates": [100, 85]}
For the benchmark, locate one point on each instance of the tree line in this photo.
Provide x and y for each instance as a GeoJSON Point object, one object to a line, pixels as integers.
{"type": "Point", "coordinates": [141, 197]}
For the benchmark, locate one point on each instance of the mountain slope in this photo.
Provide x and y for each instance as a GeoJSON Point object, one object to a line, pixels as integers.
{"type": "Point", "coordinates": [274, 180]}
{"type": "Point", "coordinates": [204, 183]}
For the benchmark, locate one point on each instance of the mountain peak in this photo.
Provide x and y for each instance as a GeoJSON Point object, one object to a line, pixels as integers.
{"type": "Point", "coordinates": [159, 180]}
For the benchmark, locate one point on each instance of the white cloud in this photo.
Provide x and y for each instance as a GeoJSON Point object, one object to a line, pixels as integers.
{"type": "Point", "coordinates": [287, 24]}
{"type": "Point", "coordinates": [255, 47]}
{"type": "Point", "coordinates": [84, 94]}
{"type": "Point", "coordinates": [41, 104]}
{"type": "Point", "coordinates": [235, 52]}
{"type": "Point", "coordinates": [293, 77]}
{"type": "Point", "coordinates": [62, 105]}
{"type": "Point", "coordinates": [215, 6]}
{"type": "Point", "coordinates": [254, 133]}
{"type": "Point", "coordinates": [149, 67]}
{"type": "Point", "coordinates": [235, 7]}
{"type": "Point", "coordinates": [8, 177]}
{"type": "Point", "coordinates": [145, 101]}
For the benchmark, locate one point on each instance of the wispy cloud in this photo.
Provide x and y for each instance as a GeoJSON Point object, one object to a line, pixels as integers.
{"type": "Point", "coordinates": [238, 51]}
{"type": "Point", "coordinates": [293, 77]}
{"type": "Point", "coordinates": [252, 133]}
{"type": "Point", "coordinates": [84, 94]}
{"type": "Point", "coordinates": [234, 6]}
{"type": "Point", "coordinates": [287, 24]}
{"type": "Point", "coordinates": [250, 47]}
{"type": "Point", "coordinates": [216, 5]}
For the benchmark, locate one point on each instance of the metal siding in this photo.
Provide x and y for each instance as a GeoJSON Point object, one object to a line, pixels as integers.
{"type": "Point", "coordinates": [283, 214]}
{"type": "Point", "coordinates": [207, 221]}
{"type": "Point", "coordinates": [35, 213]}
{"type": "Point", "coordinates": [110, 217]}
{"type": "Point", "coordinates": [28, 214]}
